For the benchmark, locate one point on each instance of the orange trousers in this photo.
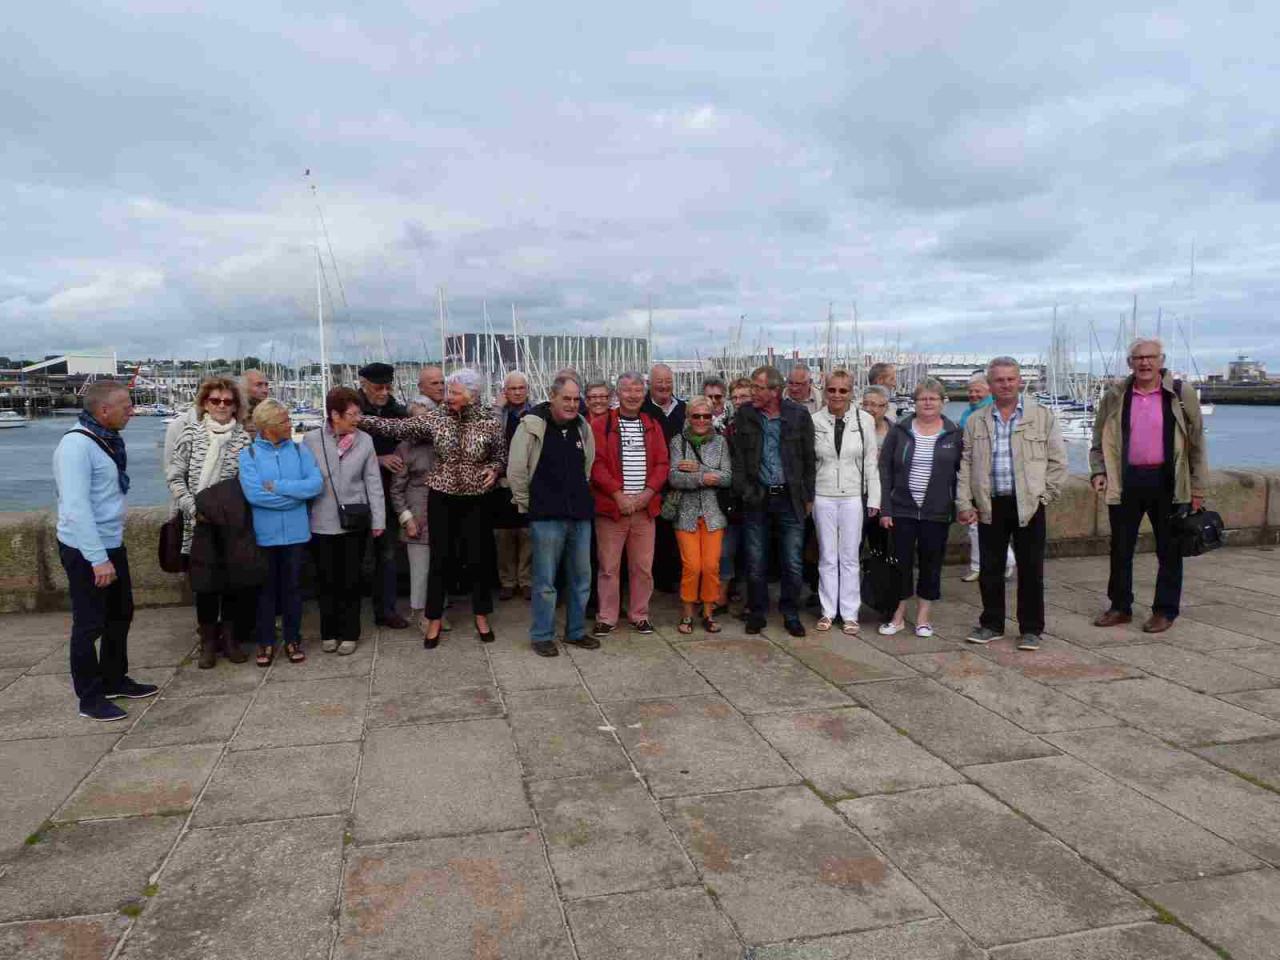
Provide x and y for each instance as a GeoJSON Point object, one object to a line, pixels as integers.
{"type": "Point", "coordinates": [699, 560]}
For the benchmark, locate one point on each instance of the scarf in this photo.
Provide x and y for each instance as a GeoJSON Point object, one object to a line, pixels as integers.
{"type": "Point", "coordinates": [697, 440]}
{"type": "Point", "coordinates": [345, 443]}
{"type": "Point", "coordinates": [114, 441]}
{"type": "Point", "coordinates": [219, 434]}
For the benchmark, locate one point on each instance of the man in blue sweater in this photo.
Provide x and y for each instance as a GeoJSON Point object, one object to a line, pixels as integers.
{"type": "Point", "coordinates": [89, 467]}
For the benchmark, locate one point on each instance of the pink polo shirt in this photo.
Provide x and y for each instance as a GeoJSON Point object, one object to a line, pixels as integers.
{"type": "Point", "coordinates": [1146, 429]}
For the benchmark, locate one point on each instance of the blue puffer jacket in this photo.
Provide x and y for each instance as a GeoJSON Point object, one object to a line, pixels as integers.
{"type": "Point", "coordinates": [279, 514]}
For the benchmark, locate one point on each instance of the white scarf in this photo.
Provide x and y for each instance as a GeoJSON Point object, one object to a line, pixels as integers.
{"type": "Point", "coordinates": [219, 434]}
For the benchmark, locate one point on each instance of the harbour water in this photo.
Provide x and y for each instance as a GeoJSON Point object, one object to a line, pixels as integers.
{"type": "Point", "coordinates": [1246, 437]}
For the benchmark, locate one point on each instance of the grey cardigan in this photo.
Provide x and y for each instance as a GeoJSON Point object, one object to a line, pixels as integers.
{"type": "Point", "coordinates": [696, 500]}
{"type": "Point", "coordinates": [358, 480]}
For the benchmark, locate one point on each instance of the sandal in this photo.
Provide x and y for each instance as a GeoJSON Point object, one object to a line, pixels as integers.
{"type": "Point", "coordinates": [850, 628]}
{"type": "Point", "coordinates": [685, 625]}
{"type": "Point", "coordinates": [823, 624]}
{"type": "Point", "coordinates": [265, 656]}
{"type": "Point", "coordinates": [294, 652]}
{"type": "Point", "coordinates": [709, 624]}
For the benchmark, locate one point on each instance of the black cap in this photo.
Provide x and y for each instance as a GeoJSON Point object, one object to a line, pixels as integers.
{"type": "Point", "coordinates": [379, 373]}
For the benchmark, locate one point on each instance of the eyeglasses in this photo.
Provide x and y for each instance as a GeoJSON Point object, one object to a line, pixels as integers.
{"type": "Point", "coordinates": [837, 389]}
{"type": "Point", "coordinates": [1146, 356]}
{"type": "Point", "coordinates": [220, 401]}
{"type": "Point", "coordinates": [699, 416]}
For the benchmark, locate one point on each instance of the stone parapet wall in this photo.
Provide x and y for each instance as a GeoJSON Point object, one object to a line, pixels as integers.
{"type": "Point", "coordinates": [31, 577]}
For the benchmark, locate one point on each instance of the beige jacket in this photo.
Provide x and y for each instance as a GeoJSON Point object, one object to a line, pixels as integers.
{"type": "Point", "coordinates": [1190, 463]}
{"type": "Point", "coordinates": [1039, 461]}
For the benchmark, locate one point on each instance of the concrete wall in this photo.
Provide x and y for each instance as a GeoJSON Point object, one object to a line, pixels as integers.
{"type": "Point", "coordinates": [31, 576]}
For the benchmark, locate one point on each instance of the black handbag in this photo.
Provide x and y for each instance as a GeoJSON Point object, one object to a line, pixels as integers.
{"type": "Point", "coordinates": [881, 573]}
{"type": "Point", "coordinates": [352, 517]}
{"type": "Point", "coordinates": [1198, 532]}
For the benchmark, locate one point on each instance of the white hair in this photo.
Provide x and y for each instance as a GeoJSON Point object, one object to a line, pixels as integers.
{"type": "Point", "coordinates": [515, 375]}
{"type": "Point", "coordinates": [979, 377]}
{"type": "Point", "coordinates": [1144, 341]}
{"type": "Point", "coordinates": [469, 380]}
{"type": "Point", "coordinates": [1003, 362]}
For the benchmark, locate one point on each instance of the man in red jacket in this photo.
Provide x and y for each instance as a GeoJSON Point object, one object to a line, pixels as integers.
{"type": "Point", "coordinates": [629, 470]}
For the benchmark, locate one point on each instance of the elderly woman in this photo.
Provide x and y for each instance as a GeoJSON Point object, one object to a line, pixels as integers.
{"type": "Point", "coordinates": [409, 492]}
{"type": "Point", "coordinates": [279, 478]}
{"type": "Point", "coordinates": [598, 396]}
{"type": "Point", "coordinates": [206, 451]}
{"type": "Point", "coordinates": [876, 401]}
{"type": "Point", "coordinates": [700, 470]}
{"type": "Point", "coordinates": [350, 505]}
{"type": "Point", "coordinates": [848, 487]}
{"type": "Point", "coordinates": [470, 454]}
{"type": "Point", "coordinates": [919, 461]}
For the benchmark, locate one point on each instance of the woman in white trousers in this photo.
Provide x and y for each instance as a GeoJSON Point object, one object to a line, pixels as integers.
{"type": "Point", "coordinates": [847, 480]}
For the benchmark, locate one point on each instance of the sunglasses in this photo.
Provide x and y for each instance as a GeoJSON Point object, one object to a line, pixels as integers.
{"type": "Point", "coordinates": [221, 402]}
{"type": "Point", "coordinates": [841, 390]}
{"type": "Point", "coordinates": [699, 416]}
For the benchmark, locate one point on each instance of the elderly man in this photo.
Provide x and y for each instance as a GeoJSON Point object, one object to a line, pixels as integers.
{"type": "Point", "coordinates": [552, 453]}
{"type": "Point", "coordinates": [800, 389]}
{"type": "Point", "coordinates": [667, 411]}
{"type": "Point", "coordinates": [885, 375]}
{"type": "Point", "coordinates": [256, 387]}
{"type": "Point", "coordinates": [376, 401]}
{"type": "Point", "coordinates": [430, 387]}
{"type": "Point", "coordinates": [1148, 457]}
{"type": "Point", "coordinates": [510, 527]}
{"type": "Point", "coordinates": [1014, 462]}
{"type": "Point", "coordinates": [774, 476]}
{"type": "Point", "coordinates": [627, 478]}
{"type": "Point", "coordinates": [89, 468]}
{"type": "Point", "coordinates": [979, 391]}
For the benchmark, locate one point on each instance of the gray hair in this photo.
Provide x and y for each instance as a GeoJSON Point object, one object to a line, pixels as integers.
{"type": "Point", "coordinates": [559, 383]}
{"type": "Point", "coordinates": [1003, 362]}
{"type": "Point", "coordinates": [469, 380]}
{"type": "Point", "coordinates": [930, 385]}
{"type": "Point", "coordinates": [880, 391]}
{"type": "Point", "coordinates": [1143, 341]}
{"type": "Point", "coordinates": [630, 376]}
{"type": "Point", "coordinates": [714, 381]}
{"type": "Point", "coordinates": [99, 392]}
{"type": "Point", "coordinates": [571, 373]}
{"type": "Point", "coordinates": [979, 377]}
{"type": "Point", "coordinates": [772, 376]}
{"type": "Point", "coordinates": [506, 381]}
{"type": "Point", "coordinates": [659, 366]}
{"type": "Point", "coordinates": [879, 369]}
{"type": "Point", "coordinates": [595, 384]}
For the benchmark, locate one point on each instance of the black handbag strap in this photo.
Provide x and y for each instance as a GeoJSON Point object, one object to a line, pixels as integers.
{"type": "Point", "coordinates": [102, 444]}
{"type": "Point", "coordinates": [333, 487]}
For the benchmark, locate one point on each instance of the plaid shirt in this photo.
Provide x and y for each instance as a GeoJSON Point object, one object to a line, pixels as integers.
{"type": "Point", "coordinates": [1002, 452]}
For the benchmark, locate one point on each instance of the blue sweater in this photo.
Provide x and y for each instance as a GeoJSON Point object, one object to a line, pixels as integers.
{"type": "Point", "coordinates": [90, 505]}
{"type": "Point", "coordinates": [279, 514]}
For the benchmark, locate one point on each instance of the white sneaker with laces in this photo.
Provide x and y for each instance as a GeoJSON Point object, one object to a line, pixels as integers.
{"type": "Point", "coordinates": [970, 577]}
{"type": "Point", "coordinates": [890, 628]}
{"type": "Point", "coordinates": [924, 630]}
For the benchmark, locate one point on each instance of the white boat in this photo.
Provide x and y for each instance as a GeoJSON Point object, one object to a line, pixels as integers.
{"type": "Point", "coordinates": [11, 418]}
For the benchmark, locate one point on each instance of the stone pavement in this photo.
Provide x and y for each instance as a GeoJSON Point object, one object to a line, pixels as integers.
{"type": "Point", "coordinates": [1113, 796]}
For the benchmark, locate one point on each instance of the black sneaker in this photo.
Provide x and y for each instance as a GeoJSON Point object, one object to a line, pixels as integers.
{"type": "Point", "coordinates": [1029, 641]}
{"type": "Point", "coordinates": [586, 643]}
{"type": "Point", "coordinates": [983, 635]}
{"type": "Point", "coordinates": [794, 627]}
{"type": "Point", "coordinates": [755, 624]}
{"type": "Point", "coordinates": [642, 626]}
{"type": "Point", "coordinates": [103, 710]}
{"type": "Point", "coordinates": [131, 689]}
{"type": "Point", "coordinates": [547, 648]}
{"type": "Point", "coordinates": [602, 629]}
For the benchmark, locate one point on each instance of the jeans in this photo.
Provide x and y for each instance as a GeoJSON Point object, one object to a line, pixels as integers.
{"type": "Point", "coordinates": [338, 557]}
{"type": "Point", "coordinates": [839, 524]}
{"type": "Point", "coordinates": [776, 522]}
{"type": "Point", "coordinates": [384, 569]}
{"type": "Point", "coordinates": [98, 613]}
{"type": "Point", "coordinates": [557, 542]}
{"type": "Point", "coordinates": [1145, 492]}
{"type": "Point", "coordinates": [1028, 550]}
{"type": "Point", "coordinates": [730, 545]}
{"type": "Point", "coordinates": [281, 595]}
{"type": "Point", "coordinates": [923, 542]}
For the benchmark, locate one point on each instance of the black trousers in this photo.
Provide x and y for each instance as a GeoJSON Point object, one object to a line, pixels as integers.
{"type": "Point", "coordinates": [1146, 492]}
{"type": "Point", "coordinates": [666, 557]}
{"type": "Point", "coordinates": [922, 543]}
{"type": "Point", "coordinates": [465, 522]}
{"type": "Point", "coordinates": [385, 551]}
{"type": "Point", "coordinates": [98, 614]}
{"type": "Point", "coordinates": [235, 607]}
{"type": "Point", "coordinates": [1028, 551]}
{"type": "Point", "coordinates": [338, 558]}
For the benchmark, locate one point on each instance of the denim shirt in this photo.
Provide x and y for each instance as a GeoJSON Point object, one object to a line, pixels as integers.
{"type": "Point", "coordinates": [771, 474]}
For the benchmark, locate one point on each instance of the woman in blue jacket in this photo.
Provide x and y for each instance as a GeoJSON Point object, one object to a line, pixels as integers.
{"type": "Point", "coordinates": [278, 477]}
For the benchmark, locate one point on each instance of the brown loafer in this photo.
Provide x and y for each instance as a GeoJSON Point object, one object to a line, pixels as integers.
{"type": "Point", "coordinates": [1157, 623]}
{"type": "Point", "coordinates": [1112, 618]}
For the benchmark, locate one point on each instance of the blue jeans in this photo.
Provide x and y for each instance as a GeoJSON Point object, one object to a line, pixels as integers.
{"type": "Point", "coordinates": [281, 595]}
{"type": "Point", "coordinates": [552, 541]}
{"type": "Point", "coordinates": [729, 551]}
{"type": "Point", "coordinates": [776, 522]}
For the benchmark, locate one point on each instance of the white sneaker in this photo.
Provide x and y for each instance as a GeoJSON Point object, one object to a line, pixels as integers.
{"type": "Point", "coordinates": [346, 648]}
{"type": "Point", "coordinates": [924, 630]}
{"type": "Point", "coordinates": [890, 628]}
{"type": "Point", "coordinates": [328, 645]}
{"type": "Point", "coordinates": [1009, 572]}
{"type": "Point", "coordinates": [971, 577]}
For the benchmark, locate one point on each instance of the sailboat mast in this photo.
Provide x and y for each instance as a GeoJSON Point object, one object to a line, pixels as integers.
{"type": "Point", "coordinates": [324, 349]}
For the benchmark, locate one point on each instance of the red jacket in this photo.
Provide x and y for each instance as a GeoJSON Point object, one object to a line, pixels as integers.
{"type": "Point", "coordinates": [606, 472]}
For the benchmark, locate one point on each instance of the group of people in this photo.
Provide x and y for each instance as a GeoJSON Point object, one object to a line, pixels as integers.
{"type": "Point", "coordinates": [699, 493]}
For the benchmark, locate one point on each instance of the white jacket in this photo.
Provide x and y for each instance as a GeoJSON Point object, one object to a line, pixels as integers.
{"type": "Point", "coordinates": [840, 475]}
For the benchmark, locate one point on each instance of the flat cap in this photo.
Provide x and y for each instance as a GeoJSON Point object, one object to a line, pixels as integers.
{"type": "Point", "coordinates": [380, 373]}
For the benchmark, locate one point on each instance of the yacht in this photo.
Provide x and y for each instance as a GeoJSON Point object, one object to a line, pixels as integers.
{"type": "Point", "coordinates": [11, 418]}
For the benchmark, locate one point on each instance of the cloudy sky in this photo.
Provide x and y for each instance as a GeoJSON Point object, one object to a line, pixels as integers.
{"type": "Point", "coordinates": [955, 168]}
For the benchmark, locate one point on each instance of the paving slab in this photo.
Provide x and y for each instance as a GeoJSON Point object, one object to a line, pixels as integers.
{"type": "Point", "coordinates": [146, 649]}
{"type": "Point", "coordinates": [63, 875]}
{"type": "Point", "coordinates": [440, 779]}
{"type": "Point", "coordinates": [919, 940]}
{"type": "Point", "coordinates": [757, 677]}
{"type": "Point", "coordinates": [1057, 661]}
{"type": "Point", "coordinates": [1227, 616]}
{"type": "Point", "coordinates": [405, 667]}
{"type": "Point", "coordinates": [783, 865]}
{"type": "Point", "coordinates": [1223, 803]}
{"type": "Point", "coordinates": [630, 667]}
{"type": "Point", "coordinates": [28, 640]}
{"type": "Point", "coordinates": [434, 706]}
{"type": "Point", "coordinates": [991, 871]}
{"type": "Point", "coordinates": [178, 720]}
{"type": "Point", "coordinates": [906, 642]}
{"type": "Point", "coordinates": [1007, 692]}
{"type": "Point", "coordinates": [604, 835]}
{"type": "Point", "coordinates": [76, 938]}
{"type": "Point", "coordinates": [842, 659]}
{"type": "Point", "coordinates": [233, 886]}
{"type": "Point", "coordinates": [1079, 629]}
{"type": "Point", "coordinates": [324, 666]}
{"type": "Point", "coordinates": [144, 782]}
{"type": "Point", "coordinates": [1207, 637]}
{"type": "Point", "coordinates": [1144, 941]}
{"type": "Point", "coordinates": [1193, 670]}
{"type": "Point", "coordinates": [1133, 838]}
{"type": "Point", "coordinates": [42, 707]}
{"type": "Point", "coordinates": [1240, 913]}
{"type": "Point", "coordinates": [695, 745]}
{"type": "Point", "coordinates": [476, 897]}
{"type": "Point", "coordinates": [520, 668]}
{"type": "Point", "coordinates": [8, 676]}
{"type": "Point", "coordinates": [559, 732]}
{"type": "Point", "coordinates": [947, 724]}
{"type": "Point", "coordinates": [1263, 702]}
{"type": "Point", "coordinates": [1263, 660]}
{"type": "Point", "coordinates": [280, 783]}
{"type": "Point", "coordinates": [1173, 712]}
{"type": "Point", "coordinates": [849, 751]}
{"type": "Point", "coordinates": [225, 678]}
{"type": "Point", "coordinates": [38, 776]}
{"type": "Point", "coordinates": [680, 924]}
{"type": "Point", "coordinates": [295, 714]}
{"type": "Point", "coordinates": [1259, 760]}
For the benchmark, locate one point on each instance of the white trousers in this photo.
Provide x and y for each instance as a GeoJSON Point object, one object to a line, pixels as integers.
{"type": "Point", "coordinates": [838, 521]}
{"type": "Point", "coordinates": [1010, 563]}
{"type": "Point", "coordinates": [419, 564]}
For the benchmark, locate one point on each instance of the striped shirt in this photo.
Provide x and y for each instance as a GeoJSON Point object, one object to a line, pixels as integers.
{"type": "Point", "coordinates": [921, 465]}
{"type": "Point", "coordinates": [1002, 452]}
{"type": "Point", "coordinates": [634, 460]}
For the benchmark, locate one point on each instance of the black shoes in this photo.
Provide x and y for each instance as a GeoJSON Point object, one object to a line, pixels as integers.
{"type": "Point", "coordinates": [794, 627]}
{"type": "Point", "coordinates": [505, 593]}
{"type": "Point", "coordinates": [131, 689]}
{"type": "Point", "coordinates": [486, 636]}
{"type": "Point", "coordinates": [602, 629]}
{"type": "Point", "coordinates": [585, 642]}
{"type": "Point", "coordinates": [547, 648]}
{"type": "Point", "coordinates": [394, 622]}
{"type": "Point", "coordinates": [755, 624]}
{"type": "Point", "coordinates": [642, 626]}
{"type": "Point", "coordinates": [103, 710]}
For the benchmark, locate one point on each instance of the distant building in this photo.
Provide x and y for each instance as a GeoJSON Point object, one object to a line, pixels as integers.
{"type": "Point", "coordinates": [100, 363]}
{"type": "Point", "coordinates": [1245, 370]}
